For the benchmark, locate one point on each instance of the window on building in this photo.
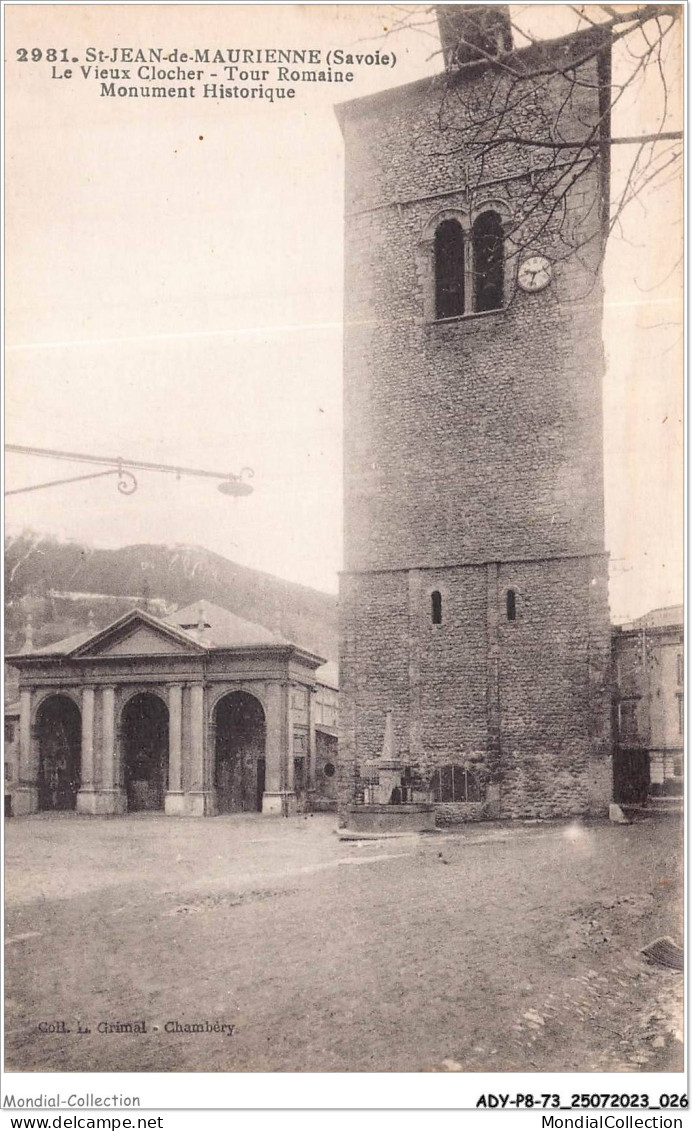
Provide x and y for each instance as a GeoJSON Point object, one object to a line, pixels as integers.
{"type": "Point", "coordinates": [681, 714]}
{"type": "Point", "coordinates": [8, 772]}
{"type": "Point", "coordinates": [467, 269]}
{"type": "Point", "coordinates": [9, 731]}
{"type": "Point", "coordinates": [455, 783]}
{"type": "Point", "coordinates": [681, 669]}
{"type": "Point", "coordinates": [436, 607]}
{"type": "Point", "coordinates": [627, 664]}
{"type": "Point", "coordinates": [627, 720]}
{"type": "Point", "coordinates": [511, 604]}
{"type": "Point", "coordinates": [329, 769]}
{"type": "Point", "coordinates": [449, 269]}
{"type": "Point", "coordinates": [488, 262]}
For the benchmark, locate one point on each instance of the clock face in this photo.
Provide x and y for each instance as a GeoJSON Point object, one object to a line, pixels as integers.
{"type": "Point", "coordinates": [535, 273]}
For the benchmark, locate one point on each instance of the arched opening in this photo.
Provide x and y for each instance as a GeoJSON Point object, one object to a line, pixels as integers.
{"type": "Point", "coordinates": [326, 753]}
{"type": "Point", "coordinates": [436, 607]}
{"type": "Point", "coordinates": [144, 729]}
{"type": "Point", "coordinates": [59, 735]}
{"type": "Point", "coordinates": [456, 783]}
{"type": "Point", "coordinates": [239, 755]}
{"type": "Point", "coordinates": [488, 262]}
{"type": "Point", "coordinates": [449, 269]}
{"type": "Point", "coordinates": [511, 604]}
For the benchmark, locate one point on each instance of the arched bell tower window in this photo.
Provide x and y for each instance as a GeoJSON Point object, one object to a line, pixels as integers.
{"type": "Point", "coordinates": [436, 607]}
{"type": "Point", "coordinates": [462, 261]}
{"type": "Point", "coordinates": [488, 262]}
{"type": "Point", "coordinates": [449, 269]}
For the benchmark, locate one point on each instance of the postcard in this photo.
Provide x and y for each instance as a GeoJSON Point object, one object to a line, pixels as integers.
{"type": "Point", "coordinates": [344, 692]}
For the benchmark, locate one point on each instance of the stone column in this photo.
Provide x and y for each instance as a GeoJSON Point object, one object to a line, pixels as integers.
{"type": "Point", "coordinates": [26, 760]}
{"type": "Point", "coordinates": [25, 793]}
{"type": "Point", "coordinates": [200, 798]}
{"type": "Point", "coordinates": [175, 800]}
{"type": "Point", "coordinates": [312, 745]}
{"type": "Point", "coordinates": [289, 749]}
{"type": "Point", "coordinates": [86, 801]}
{"type": "Point", "coordinates": [273, 721]}
{"type": "Point", "coordinates": [109, 797]}
{"type": "Point", "coordinates": [108, 737]}
{"type": "Point", "coordinates": [279, 797]}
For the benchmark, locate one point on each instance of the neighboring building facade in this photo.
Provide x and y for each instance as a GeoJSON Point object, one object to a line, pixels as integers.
{"type": "Point", "coordinates": [326, 736]}
{"type": "Point", "coordinates": [649, 706]}
{"type": "Point", "coordinates": [11, 752]}
{"type": "Point", "coordinates": [198, 714]}
{"type": "Point", "coordinates": [474, 596]}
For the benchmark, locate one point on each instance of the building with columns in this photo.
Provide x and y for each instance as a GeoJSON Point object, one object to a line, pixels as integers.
{"type": "Point", "coordinates": [649, 706]}
{"type": "Point", "coordinates": [196, 714]}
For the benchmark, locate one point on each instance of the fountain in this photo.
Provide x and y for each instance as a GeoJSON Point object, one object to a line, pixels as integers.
{"type": "Point", "coordinates": [387, 808]}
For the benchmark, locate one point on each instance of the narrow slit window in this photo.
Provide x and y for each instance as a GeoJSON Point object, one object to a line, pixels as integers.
{"type": "Point", "coordinates": [511, 604]}
{"type": "Point", "coordinates": [449, 269]}
{"type": "Point", "coordinates": [436, 607]}
{"type": "Point", "coordinates": [488, 262]}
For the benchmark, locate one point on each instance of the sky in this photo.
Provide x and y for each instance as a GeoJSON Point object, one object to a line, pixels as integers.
{"type": "Point", "coordinates": [174, 293]}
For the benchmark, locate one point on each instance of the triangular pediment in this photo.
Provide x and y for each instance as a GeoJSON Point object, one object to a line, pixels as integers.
{"type": "Point", "coordinates": [141, 642]}
{"type": "Point", "coordinates": [138, 634]}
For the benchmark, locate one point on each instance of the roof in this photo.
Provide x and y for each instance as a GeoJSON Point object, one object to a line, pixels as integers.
{"type": "Point", "coordinates": [62, 647]}
{"type": "Point", "coordinates": [536, 54]}
{"type": "Point", "coordinates": [221, 628]}
{"type": "Point", "coordinates": [203, 626]}
{"type": "Point", "coordinates": [77, 642]}
{"type": "Point", "coordinates": [669, 616]}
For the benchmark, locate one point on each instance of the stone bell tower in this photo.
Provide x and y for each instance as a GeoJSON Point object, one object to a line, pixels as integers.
{"type": "Point", "coordinates": [474, 594]}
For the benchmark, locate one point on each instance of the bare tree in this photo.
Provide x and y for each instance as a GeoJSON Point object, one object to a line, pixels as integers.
{"type": "Point", "coordinates": [535, 112]}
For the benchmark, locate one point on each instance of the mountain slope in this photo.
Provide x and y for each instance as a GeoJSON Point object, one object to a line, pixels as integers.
{"type": "Point", "coordinates": [61, 583]}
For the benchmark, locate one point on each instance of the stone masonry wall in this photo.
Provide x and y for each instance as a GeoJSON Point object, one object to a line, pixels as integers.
{"type": "Point", "coordinates": [553, 687]}
{"type": "Point", "coordinates": [542, 680]}
{"type": "Point", "coordinates": [481, 437]}
{"type": "Point", "coordinates": [473, 462]}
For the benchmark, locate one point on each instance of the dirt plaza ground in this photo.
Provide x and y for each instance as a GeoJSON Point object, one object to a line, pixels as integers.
{"type": "Point", "coordinates": [495, 947]}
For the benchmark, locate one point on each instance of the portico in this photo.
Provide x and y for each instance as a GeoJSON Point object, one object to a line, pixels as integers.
{"type": "Point", "coordinates": [200, 713]}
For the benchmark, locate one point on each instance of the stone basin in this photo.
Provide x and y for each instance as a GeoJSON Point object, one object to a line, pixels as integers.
{"type": "Point", "coordinates": [378, 820]}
